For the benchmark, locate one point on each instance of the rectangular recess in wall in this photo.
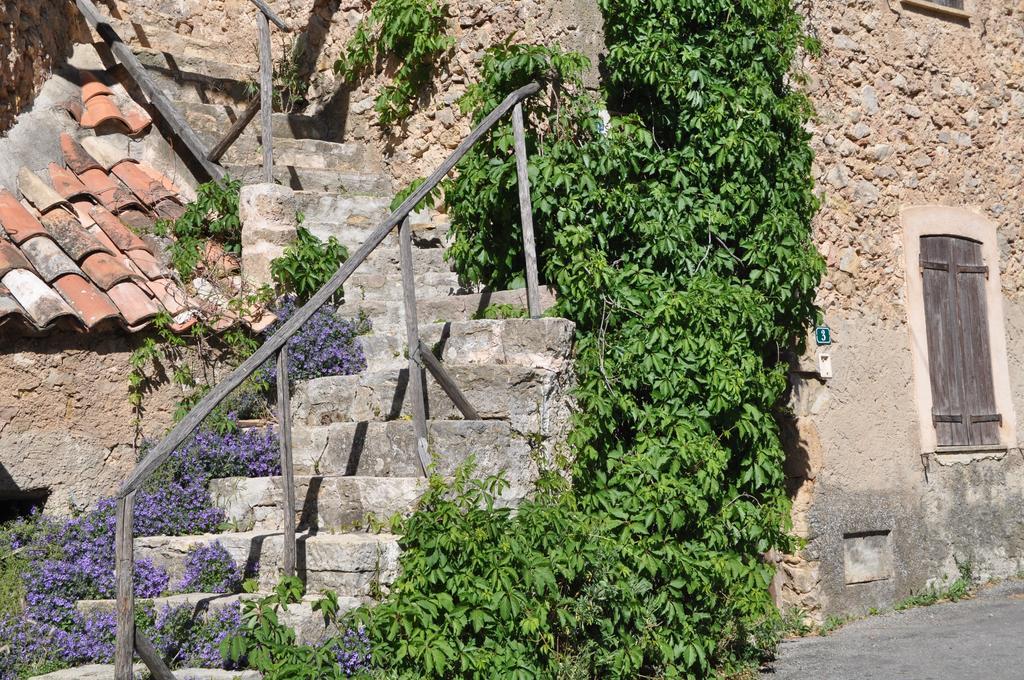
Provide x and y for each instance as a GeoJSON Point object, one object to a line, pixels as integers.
{"type": "Point", "coordinates": [867, 556]}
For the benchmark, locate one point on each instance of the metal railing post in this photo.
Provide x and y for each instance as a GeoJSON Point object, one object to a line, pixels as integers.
{"type": "Point", "coordinates": [416, 391]}
{"type": "Point", "coordinates": [526, 214]}
{"type": "Point", "coordinates": [284, 420]}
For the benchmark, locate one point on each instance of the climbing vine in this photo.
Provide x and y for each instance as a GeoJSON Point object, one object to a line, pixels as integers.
{"type": "Point", "coordinates": [678, 236]}
{"type": "Point", "coordinates": [411, 31]}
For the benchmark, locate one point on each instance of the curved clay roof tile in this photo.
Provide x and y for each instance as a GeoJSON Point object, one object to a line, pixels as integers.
{"type": "Point", "coordinates": [49, 260]}
{"type": "Point", "coordinates": [105, 271]}
{"type": "Point", "coordinates": [71, 235]}
{"type": "Point", "coordinates": [39, 193]}
{"type": "Point", "coordinates": [142, 184]}
{"type": "Point", "coordinates": [134, 304]}
{"type": "Point", "coordinates": [11, 258]}
{"type": "Point", "coordinates": [91, 305]}
{"type": "Point", "coordinates": [92, 87]}
{"type": "Point", "coordinates": [18, 222]}
{"type": "Point", "coordinates": [43, 305]}
{"type": "Point", "coordinates": [101, 109]}
{"type": "Point", "coordinates": [76, 157]}
{"type": "Point", "coordinates": [123, 237]}
{"type": "Point", "coordinates": [67, 184]}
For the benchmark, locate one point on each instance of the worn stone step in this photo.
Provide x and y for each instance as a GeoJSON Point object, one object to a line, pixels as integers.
{"type": "Point", "coordinates": [99, 671]}
{"type": "Point", "coordinates": [330, 503]}
{"type": "Point", "coordinates": [307, 623]}
{"type": "Point", "coordinates": [212, 121]}
{"type": "Point", "coordinates": [389, 316]}
{"type": "Point", "coordinates": [388, 449]}
{"type": "Point", "coordinates": [355, 232]}
{"type": "Point", "coordinates": [353, 565]}
{"type": "Point", "coordinates": [316, 179]}
{"type": "Point", "coordinates": [544, 344]}
{"type": "Point", "coordinates": [340, 208]}
{"type": "Point", "coordinates": [195, 78]}
{"type": "Point", "coordinates": [521, 395]}
{"type": "Point", "coordinates": [368, 285]}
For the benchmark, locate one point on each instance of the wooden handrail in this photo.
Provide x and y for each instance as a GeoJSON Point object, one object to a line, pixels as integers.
{"type": "Point", "coordinates": [205, 406]}
{"type": "Point", "coordinates": [156, 96]}
{"type": "Point", "coordinates": [269, 13]}
{"type": "Point", "coordinates": [127, 641]}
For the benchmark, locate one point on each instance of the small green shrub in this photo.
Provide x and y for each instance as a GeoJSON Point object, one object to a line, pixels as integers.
{"type": "Point", "coordinates": [961, 588]}
{"type": "Point", "coordinates": [307, 265]}
{"type": "Point", "coordinates": [502, 311]}
{"type": "Point", "coordinates": [213, 216]}
{"type": "Point", "coordinates": [411, 31]}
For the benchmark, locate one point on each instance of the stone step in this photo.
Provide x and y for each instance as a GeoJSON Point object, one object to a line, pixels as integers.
{"type": "Point", "coordinates": [339, 208]}
{"type": "Point", "coordinates": [354, 232]}
{"type": "Point", "coordinates": [316, 179]}
{"type": "Point", "coordinates": [99, 671]}
{"type": "Point", "coordinates": [544, 343]}
{"type": "Point", "coordinates": [195, 78]}
{"type": "Point", "coordinates": [518, 394]}
{"type": "Point", "coordinates": [307, 623]}
{"type": "Point", "coordinates": [212, 121]}
{"type": "Point", "coordinates": [368, 285]}
{"type": "Point", "coordinates": [388, 449]}
{"type": "Point", "coordinates": [323, 503]}
{"type": "Point", "coordinates": [353, 565]}
{"type": "Point", "coordinates": [389, 316]}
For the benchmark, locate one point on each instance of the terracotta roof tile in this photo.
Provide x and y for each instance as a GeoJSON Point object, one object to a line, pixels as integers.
{"type": "Point", "coordinates": [11, 258]}
{"type": "Point", "coordinates": [18, 222]}
{"type": "Point", "coordinates": [110, 192]}
{"type": "Point", "coordinates": [10, 310]}
{"type": "Point", "coordinates": [101, 109]}
{"type": "Point", "coordinates": [106, 271]}
{"type": "Point", "coordinates": [104, 151]}
{"type": "Point", "coordinates": [89, 303]}
{"type": "Point", "coordinates": [82, 209]}
{"type": "Point", "coordinates": [91, 86]}
{"type": "Point", "coordinates": [146, 262]}
{"type": "Point", "coordinates": [69, 233]}
{"type": "Point", "coordinates": [136, 219]}
{"type": "Point", "coordinates": [145, 187]}
{"type": "Point", "coordinates": [43, 305]}
{"type": "Point", "coordinates": [39, 193]}
{"type": "Point", "coordinates": [122, 236]}
{"type": "Point", "coordinates": [170, 295]}
{"type": "Point", "coordinates": [169, 209]}
{"type": "Point", "coordinates": [67, 184]}
{"type": "Point", "coordinates": [160, 177]}
{"type": "Point", "coordinates": [73, 105]}
{"type": "Point", "coordinates": [48, 259]}
{"type": "Point", "coordinates": [76, 157]}
{"type": "Point", "coordinates": [134, 304]}
{"type": "Point", "coordinates": [135, 117]}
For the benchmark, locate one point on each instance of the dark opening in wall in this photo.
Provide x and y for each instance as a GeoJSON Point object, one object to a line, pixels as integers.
{"type": "Point", "coordinates": [21, 503]}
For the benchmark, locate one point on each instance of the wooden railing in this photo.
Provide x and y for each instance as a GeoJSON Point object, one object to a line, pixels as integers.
{"type": "Point", "coordinates": [275, 348]}
{"type": "Point", "coordinates": [208, 160]}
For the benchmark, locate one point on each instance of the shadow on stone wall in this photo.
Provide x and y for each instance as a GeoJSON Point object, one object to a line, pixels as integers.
{"type": "Point", "coordinates": [35, 38]}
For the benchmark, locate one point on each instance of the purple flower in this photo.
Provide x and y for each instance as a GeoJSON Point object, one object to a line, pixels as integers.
{"type": "Point", "coordinates": [210, 569]}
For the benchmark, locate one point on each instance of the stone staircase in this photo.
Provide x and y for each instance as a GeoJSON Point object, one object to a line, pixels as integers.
{"type": "Point", "coordinates": [354, 445]}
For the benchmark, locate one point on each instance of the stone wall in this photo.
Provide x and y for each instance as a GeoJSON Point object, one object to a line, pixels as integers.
{"type": "Point", "coordinates": [35, 37]}
{"type": "Point", "coordinates": [913, 108]}
{"type": "Point", "coordinates": [419, 145]}
{"type": "Point", "coordinates": [66, 425]}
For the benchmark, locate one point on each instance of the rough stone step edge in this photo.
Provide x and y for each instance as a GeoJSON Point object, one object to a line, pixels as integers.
{"type": "Point", "coordinates": [106, 672]}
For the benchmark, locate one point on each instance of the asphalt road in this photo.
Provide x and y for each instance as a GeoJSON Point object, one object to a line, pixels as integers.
{"type": "Point", "coordinates": [977, 639]}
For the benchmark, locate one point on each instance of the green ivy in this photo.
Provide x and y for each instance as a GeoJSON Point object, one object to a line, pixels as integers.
{"type": "Point", "coordinates": [411, 31]}
{"type": "Point", "coordinates": [307, 264]}
{"type": "Point", "coordinates": [679, 239]}
{"type": "Point", "coordinates": [213, 216]}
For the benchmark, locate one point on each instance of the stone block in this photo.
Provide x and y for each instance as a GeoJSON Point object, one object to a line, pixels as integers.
{"type": "Point", "coordinates": [269, 225]}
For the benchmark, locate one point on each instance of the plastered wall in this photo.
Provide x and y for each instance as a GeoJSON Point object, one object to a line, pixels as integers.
{"type": "Point", "coordinates": [913, 108]}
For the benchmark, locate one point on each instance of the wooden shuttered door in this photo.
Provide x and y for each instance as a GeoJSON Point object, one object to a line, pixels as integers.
{"type": "Point", "coordinates": [959, 357]}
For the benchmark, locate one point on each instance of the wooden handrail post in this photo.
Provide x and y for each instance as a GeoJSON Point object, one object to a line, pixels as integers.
{"type": "Point", "coordinates": [526, 214]}
{"type": "Point", "coordinates": [124, 565]}
{"type": "Point", "coordinates": [266, 96]}
{"type": "Point", "coordinates": [284, 420]}
{"type": "Point", "coordinates": [447, 383]}
{"type": "Point", "coordinates": [416, 391]}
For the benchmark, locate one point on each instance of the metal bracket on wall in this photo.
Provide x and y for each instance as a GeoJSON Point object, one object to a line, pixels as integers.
{"type": "Point", "coordinates": [924, 465]}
